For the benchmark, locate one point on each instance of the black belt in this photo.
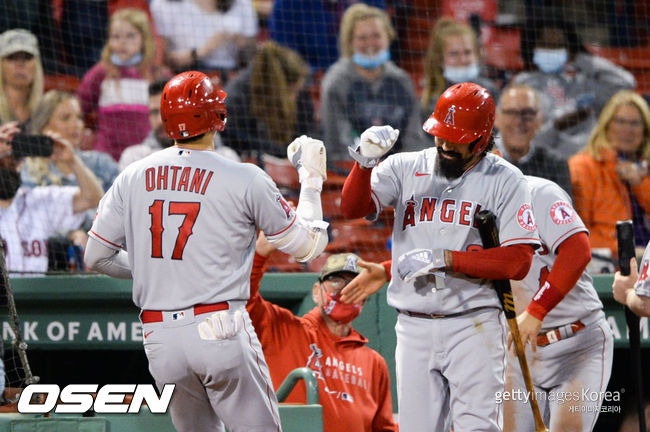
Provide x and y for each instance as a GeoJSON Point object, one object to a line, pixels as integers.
{"type": "Point", "coordinates": [435, 316]}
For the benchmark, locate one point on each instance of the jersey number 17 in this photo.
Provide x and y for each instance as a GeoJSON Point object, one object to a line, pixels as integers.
{"type": "Point", "coordinates": [189, 209]}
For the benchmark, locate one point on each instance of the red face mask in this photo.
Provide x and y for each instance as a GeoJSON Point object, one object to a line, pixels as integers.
{"type": "Point", "coordinates": [341, 312]}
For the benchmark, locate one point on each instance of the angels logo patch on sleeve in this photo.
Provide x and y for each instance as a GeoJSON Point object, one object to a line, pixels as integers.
{"type": "Point", "coordinates": [562, 213]}
{"type": "Point", "coordinates": [288, 211]}
{"type": "Point", "coordinates": [526, 218]}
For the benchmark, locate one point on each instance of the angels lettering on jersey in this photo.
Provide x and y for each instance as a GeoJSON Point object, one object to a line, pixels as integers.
{"type": "Point", "coordinates": [448, 211]}
{"type": "Point", "coordinates": [334, 369]}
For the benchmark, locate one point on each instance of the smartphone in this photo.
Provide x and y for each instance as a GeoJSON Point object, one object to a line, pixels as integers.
{"type": "Point", "coordinates": [24, 145]}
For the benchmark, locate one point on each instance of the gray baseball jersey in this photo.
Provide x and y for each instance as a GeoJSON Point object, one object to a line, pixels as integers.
{"type": "Point", "coordinates": [557, 221]}
{"type": "Point", "coordinates": [188, 219]}
{"type": "Point", "coordinates": [432, 211]}
{"type": "Point", "coordinates": [642, 286]}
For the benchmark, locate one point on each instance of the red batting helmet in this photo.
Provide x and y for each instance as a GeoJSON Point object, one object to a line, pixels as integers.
{"type": "Point", "coordinates": [464, 113]}
{"type": "Point", "coordinates": [192, 105]}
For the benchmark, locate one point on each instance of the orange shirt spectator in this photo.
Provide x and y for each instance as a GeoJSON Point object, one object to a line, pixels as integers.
{"type": "Point", "coordinates": [610, 177]}
{"type": "Point", "coordinates": [353, 380]}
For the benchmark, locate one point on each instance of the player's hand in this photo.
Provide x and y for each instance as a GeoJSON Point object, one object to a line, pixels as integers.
{"type": "Point", "coordinates": [365, 284]}
{"type": "Point", "coordinates": [623, 284]}
{"type": "Point", "coordinates": [374, 142]}
{"type": "Point", "coordinates": [420, 262]}
{"type": "Point", "coordinates": [7, 131]}
{"type": "Point", "coordinates": [262, 246]}
{"type": "Point", "coordinates": [529, 328]}
{"type": "Point", "coordinates": [309, 157]}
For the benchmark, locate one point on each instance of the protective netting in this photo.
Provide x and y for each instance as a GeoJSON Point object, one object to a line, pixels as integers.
{"type": "Point", "coordinates": [89, 74]}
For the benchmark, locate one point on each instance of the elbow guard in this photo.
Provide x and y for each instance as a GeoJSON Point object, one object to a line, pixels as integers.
{"type": "Point", "coordinates": [304, 241]}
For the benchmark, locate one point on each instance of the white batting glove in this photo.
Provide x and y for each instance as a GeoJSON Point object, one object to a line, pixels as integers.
{"type": "Point", "coordinates": [374, 142]}
{"type": "Point", "coordinates": [309, 157]}
{"type": "Point", "coordinates": [420, 262]}
{"type": "Point", "coordinates": [221, 325]}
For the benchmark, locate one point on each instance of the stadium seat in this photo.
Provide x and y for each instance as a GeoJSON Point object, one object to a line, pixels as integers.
{"type": "Point", "coordinates": [502, 49]}
{"type": "Point", "coordinates": [331, 202]}
{"type": "Point", "coordinates": [67, 83]}
{"type": "Point", "coordinates": [348, 238]}
{"type": "Point", "coordinates": [631, 58]}
{"type": "Point", "coordinates": [463, 9]}
{"type": "Point", "coordinates": [281, 262]}
{"type": "Point", "coordinates": [281, 171]}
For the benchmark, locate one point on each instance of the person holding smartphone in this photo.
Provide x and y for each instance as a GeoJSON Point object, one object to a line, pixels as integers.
{"type": "Point", "coordinates": [29, 216]}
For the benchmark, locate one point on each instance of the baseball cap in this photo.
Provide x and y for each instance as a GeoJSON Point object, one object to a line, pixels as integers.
{"type": "Point", "coordinates": [344, 262]}
{"type": "Point", "coordinates": [18, 40]}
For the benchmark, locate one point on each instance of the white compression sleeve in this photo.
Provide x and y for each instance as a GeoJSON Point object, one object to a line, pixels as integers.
{"type": "Point", "coordinates": [105, 260]}
{"type": "Point", "coordinates": [309, 203]}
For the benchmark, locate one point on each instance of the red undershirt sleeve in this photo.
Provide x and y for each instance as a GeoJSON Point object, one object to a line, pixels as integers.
{"type": "Point", "coordinates": [257, 272]}
{"type": "Point", "coordinates": [504, 262]}
{"type": "Point", "coordinates": [387, 266]}
{"type": "Point", "coordinates": [573, 255]}
{"type": "Point", "coordinates": [356, 198]}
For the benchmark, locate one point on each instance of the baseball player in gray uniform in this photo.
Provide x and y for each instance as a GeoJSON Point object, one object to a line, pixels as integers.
{"type": "Point", "coordinates": [634, 290]}
{"type": "Point", "coordinates": [188, 219]}
{"type": "Point", "coordinates": [561, 316]}
{"type": "Point", "coordinates": [451, 334]}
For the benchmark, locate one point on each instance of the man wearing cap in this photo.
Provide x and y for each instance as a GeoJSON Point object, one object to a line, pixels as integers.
{"type": "Point", "coordinates": [21, 75]}
{"type": "Point", "coordinates": [353, 380]}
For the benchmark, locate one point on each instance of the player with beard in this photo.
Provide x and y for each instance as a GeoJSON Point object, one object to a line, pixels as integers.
{"type": "Point", "coordinates": [29, 216]}
{"type": "Point", "coordinates": [450, 354]}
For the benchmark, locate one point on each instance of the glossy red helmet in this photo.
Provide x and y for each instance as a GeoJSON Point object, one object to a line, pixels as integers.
{"type": "Point", "coordinates": [464, 113]}
{"type": "Point", "coordinates": [192, 105]}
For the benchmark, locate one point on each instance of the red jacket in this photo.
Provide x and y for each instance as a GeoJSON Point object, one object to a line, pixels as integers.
{"type": "Point", "coordinates": [353, 380]}
{"type": "Point", "coordinates": [602, 198]}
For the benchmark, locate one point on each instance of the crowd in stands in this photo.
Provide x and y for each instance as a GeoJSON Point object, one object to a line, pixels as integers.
{"type": "Point", "coordinates": [324, 69]}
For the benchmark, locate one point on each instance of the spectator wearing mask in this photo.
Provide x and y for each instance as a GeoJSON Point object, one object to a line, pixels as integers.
{"type": "Point", "coordinates": [518, 117]}
{"type": "Point", "coordinates": [113, 93]}
{"type": "Point", "coordinates": [610, 176]}
{"type": "Point", "coordinates": [573, 85]}
{"type": "Point", "coordinates": [364, 88]}
{"type": "Point", "coordinates": [206, 34]}
{"type": "Point", "coordinates": [60, 113]}
{"type": "Point", "coordinates": [30, 216]}
{"type": "Point", "coordinates": [453, 57]}
{"type": "Point", "coordinates": [275, 78]}
{"type": "Point", "coordinates": [21, 76]}
{"type": "Point", "coordinates": [357, 399]}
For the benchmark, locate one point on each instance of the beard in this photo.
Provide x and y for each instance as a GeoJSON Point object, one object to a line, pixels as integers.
{"type": "Point", "coordinates": [9, 183]}
{"type": "Point", "coordinates": [450, 168]}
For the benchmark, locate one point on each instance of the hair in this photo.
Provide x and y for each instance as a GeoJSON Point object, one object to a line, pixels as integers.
{"type": "Point", "coordinates": [35, 95]}
{"type": "Point", "coordinates": [548, 19]}
{"type": "Point", "coordinates": [138, 19]}
{"type": "Point", "coordinates": [274, 69]}
{"type": "Point", "coordinates": [598, 141]}
{"type": "Point", "coordinates": [157, 86]}
{"type": "Point", "coordinates": [39, 167]}
{"type": "Point", "coordinates": [523, 87]}
{"type": "Point", "coordinates": [359, 12]}
{"type": "Point", "coordinates": [434, 81]}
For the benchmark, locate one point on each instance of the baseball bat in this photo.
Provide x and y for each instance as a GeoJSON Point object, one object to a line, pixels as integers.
{"type": "Point", "coordinates": [487, 228]}
{"type": "Point", "coordinates": [625, 238]}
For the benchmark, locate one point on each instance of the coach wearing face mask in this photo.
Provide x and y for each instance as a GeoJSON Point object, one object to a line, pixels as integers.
{"type": "Point", "coordinates": [353, 380]}
{"type": "Point", "coordinates": [452, 57]}
{"type": "Point", "coordinates": [364, 88]}
{"type": "Point", "coordinates": [573, 84]}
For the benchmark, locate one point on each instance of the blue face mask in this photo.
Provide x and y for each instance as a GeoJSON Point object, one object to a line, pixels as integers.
{"type": "Point", "coordinates": [458, 74]}
{"type": "Point", "coordinates": [117, 61]}
{"type": "Point", "coordinates": [550, 60]}
{"type": "Point", "coordinates": [371, 62]}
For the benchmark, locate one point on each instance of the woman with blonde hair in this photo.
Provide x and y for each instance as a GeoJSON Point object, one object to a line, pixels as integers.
{"type": "Point", "coordinates": [113, 93]}
{"type": "Point", "coordinates": [21, 75]}
{"type": "Point", "coordinates": [59, 113]}
{"type": "Point", "coordinates": [610, 176]}
{"type": "Point", "coordinates": [268, 105]}
{"type": "Point", "coordinates": [452, 57]}
{"type": "Point", "coordinates": [364, 88]}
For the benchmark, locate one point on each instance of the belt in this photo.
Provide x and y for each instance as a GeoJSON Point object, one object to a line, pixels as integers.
{"type": "Point", "coordinates": [151, 316]}
{"type": "Point", "coordinates": [566, 331]}
{"type": "Point", "coordinates": [435, 316]}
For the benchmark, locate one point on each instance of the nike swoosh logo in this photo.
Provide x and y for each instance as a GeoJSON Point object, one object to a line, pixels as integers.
{"type": "Point", "coordinates": [419, 174]}
{"type": "Point", "coordinates": [147, 334]}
